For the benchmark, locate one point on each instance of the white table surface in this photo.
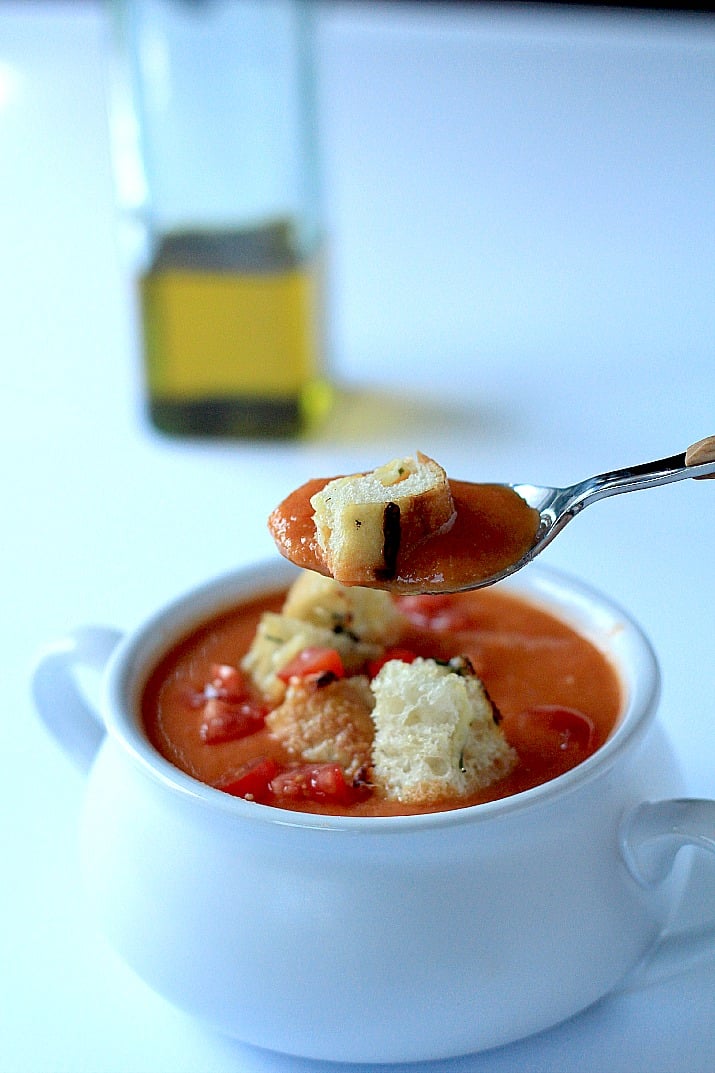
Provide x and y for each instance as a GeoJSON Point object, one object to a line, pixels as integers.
{"type": "Point", "coordinates": [523, 285]}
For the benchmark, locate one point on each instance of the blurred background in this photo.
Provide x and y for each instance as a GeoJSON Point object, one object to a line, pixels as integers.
{"type": "Point", "coordinates": [519, 250]}
{"type": "Point", "coordinates": [517, 204]}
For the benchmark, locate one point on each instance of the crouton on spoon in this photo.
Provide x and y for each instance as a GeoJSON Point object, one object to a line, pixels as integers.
{"type": "Point", "coordinates": [408, 528]}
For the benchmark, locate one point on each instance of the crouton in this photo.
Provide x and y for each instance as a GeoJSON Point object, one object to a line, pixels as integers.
{"type": "Point", "coordinates": [366, 615]}
{"type": "Point", "coordinates": [328, 723]}
{"type": "Point", "coordinates": [320, 613]}
{"type": "Point", "coordinates": [364, 522]}
{"type": "Point", "coordinates": [436, 732]}
{"type": "Point", "coordinates": [278, 639]}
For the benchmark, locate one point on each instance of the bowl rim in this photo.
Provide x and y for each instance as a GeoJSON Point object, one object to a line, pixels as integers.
{"type": "Point", "coordinates": [600, 618]}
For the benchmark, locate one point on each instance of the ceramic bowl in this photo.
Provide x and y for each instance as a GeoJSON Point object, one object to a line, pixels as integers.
{"type": "Point", "coordinates": [379, 939]}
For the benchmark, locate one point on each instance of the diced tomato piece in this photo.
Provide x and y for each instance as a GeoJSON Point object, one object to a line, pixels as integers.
{"type": "Point", "coordinates": [312, 662]}
{"type": "Point", "coordinates": [405, 655]}
{"type": "Point", "coordinates": [225, 682]}
{"type": "Point", "coordinates": [436, 611]}
{"type": "Point", "coordinates": [550, 731]}
{"type": "Point", "coordinates": [228, 681]}
{"type": "Point", "coordinates": [316, 782]}
{"type": "Point", "coordinates": [423, 607]}
{"type": "Point", "coordinates": [252, 780]}
{"type": "Point", "coordinates": [224, 720]}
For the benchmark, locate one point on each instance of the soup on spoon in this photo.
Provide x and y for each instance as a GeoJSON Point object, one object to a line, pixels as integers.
{"type": "Point", "coordinates": [405, 527]}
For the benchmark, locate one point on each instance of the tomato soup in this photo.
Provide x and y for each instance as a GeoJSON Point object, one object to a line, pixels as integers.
{"type": "Point", "coordinates": [493, 529]}
{"type": "Point", "coordinates": [556, 694]}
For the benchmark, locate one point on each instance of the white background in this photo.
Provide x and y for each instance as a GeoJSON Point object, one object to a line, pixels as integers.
{"type": "Point", "coordinates": [520, 205]}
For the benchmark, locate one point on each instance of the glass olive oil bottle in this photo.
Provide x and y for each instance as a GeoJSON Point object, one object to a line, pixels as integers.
{"type": "Point", "coordinates": [216, 158]}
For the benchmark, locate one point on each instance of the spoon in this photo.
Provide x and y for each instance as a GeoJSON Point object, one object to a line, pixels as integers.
{"type": "Point", "coordinates": [557, 506]}
{"type": "Point", "coordinates": [496, 529]}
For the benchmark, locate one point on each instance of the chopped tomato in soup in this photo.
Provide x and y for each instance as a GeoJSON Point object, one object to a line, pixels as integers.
{"type": "Point", "coordinates": [227, 720]}
{"type": "Point", "coordinates": [556, 693]}
{"type": "Point", "coordinates": [547, 732]}
{"type": "Point", "coordinates": [252, 780]}
{"type": "Point", "coordinates": [312, 662]}
{"type": "Point", "coordinates": [405, 655]}
{"type": "Point", "coordinates": [316, 782]}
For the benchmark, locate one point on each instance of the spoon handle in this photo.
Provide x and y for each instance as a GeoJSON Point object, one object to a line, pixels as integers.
{"type": "Point", "coordinates": [697, 462]}
{"type": "Point", "coordinates": [700, 452]}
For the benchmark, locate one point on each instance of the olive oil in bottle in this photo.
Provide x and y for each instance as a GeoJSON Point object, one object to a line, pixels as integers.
{"type": "Point", "coordinates": [233, 334]}
{"type": "Point", "coordinates": [214, 132]}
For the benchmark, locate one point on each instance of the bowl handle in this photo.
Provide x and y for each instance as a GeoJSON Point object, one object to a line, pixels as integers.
{"type": "Point", "coordinates": [62, 707]}
{"type": "Point", "coordinates": [651, 835]}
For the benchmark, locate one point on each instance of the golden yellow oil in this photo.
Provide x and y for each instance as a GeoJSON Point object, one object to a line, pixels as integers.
{"type": "Point", "coordinates": [233, 336]}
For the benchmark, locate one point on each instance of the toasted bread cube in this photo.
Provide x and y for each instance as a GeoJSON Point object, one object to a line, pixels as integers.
{"type": "Point", "coordinates": [278, 639]}
{"type": "Point", "coordinates": [436, 734]}
{"type": "Point", "coordinates": [328, 723]}
{"type": "Point", "coordinates": [320, 613]}
{"type": "Point", "coordinates": [364, 522]}
{"type": "Point", "coordinates": [366, 615]}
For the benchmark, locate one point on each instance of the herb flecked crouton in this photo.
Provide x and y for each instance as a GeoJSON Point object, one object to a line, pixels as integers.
{"type": "Point", "coordinates": [278, 639]}
{"type": "Point", "coordinates": [366, 615]}
{"type": "Point", "coordinates": [436, 732]}
{"type": "Point", "coordinates": [364, 522]}
{"type": "Point", "coordinates": [327, 723]}
{"type": "Point", "coordinates": [318, 612]}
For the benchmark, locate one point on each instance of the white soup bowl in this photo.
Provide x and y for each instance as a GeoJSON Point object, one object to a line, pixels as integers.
{"type": "Point", "coordinates": [379, 939]}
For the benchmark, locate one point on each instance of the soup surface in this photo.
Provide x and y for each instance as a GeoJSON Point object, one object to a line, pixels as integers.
{"type": "Point", "coordinates": [492, 530]}
{"type": "Point", "coordinates": [557, 695]}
